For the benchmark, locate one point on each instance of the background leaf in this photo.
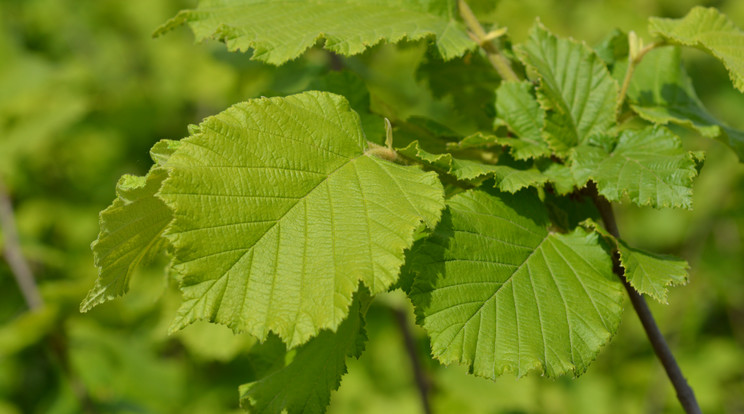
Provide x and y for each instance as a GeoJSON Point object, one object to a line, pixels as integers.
{"type": "Point", "coordinates": [711, 31]}
{"type": "Point", "coordinates": [660, 91]}
{"type": "Point", "coordinates": [305, 384]}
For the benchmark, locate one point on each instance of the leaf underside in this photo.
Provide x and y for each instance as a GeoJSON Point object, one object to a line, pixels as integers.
{"type": "Point", "coordinates": [661, 92]}
{"type": "Point", "coordinates": [498, 292]}
{"type": "Point", "coordinates": [279, 214]}
{"type": "Point", "coordinates": [305, 384]}
{"type": "Point", "coordinates": [710, 30]}
{"type": "Point", "coordinates": [279, 31]}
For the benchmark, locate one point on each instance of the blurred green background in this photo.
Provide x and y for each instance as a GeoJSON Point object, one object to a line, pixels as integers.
{"type": "Point", "coordinates": [85, 92]}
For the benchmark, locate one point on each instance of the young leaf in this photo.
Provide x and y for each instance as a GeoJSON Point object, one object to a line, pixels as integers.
{"type": "Point", "coordinates": [661, 92]}
{"type": "Point", "coordinates": [647, 165]}
{"type": "Point", "coordinates": [576, 90]}
{"type": "Point", "coordinates": [305, 384]}
{"type": "Point", "coordinates": [516, 105]}
{"type": "Point", "coordinates": [280, 212]}
{"type": "Point", "coordinates": [280, 31]}
{"type": "Point", "coordinates": [499, 292]}
{"type": "Point", "coordinates": [131, 231]}
{"type": "Point", "coordinates": [649, 273]}
{"type": "Point", "coordinates": [507, 178]}
{"type": "Point", "coordinates": [709, 30]}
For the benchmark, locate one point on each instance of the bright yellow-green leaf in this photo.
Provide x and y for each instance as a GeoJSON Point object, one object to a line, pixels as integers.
{"type": "Point", "coordinates": [279, 31]}
{"type": "Point", "coordinates": [131, 230]}
{"type": "Point", "coordinates": [280, 212]}
{"type": "Point", "coordinates": [711, 31]}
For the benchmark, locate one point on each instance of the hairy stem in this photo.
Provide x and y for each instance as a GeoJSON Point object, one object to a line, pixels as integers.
{"type": "Point", "coordinates": [633, 61]}
{"type": "Point", "coordinates": [499, 62]}
{"type": "Point", "coordinates": [422, 382]}
{"type": "Point", "coordinates": [13, 255]}
{"type": "Point", "coordinates": [685, 395]}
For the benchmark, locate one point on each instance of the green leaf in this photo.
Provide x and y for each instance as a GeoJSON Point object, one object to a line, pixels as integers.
{"type": "Point", "coordinates": [710, 30]}
{"type": "Point", "coordinates": [131, 231]}
{"type": "Point", "coordinates": [576, 90]}
{"type": "Point", "coordinates": [648, 273]}
{"type": "Point", "coordinates": [280, 212]}
{"type": "Point", "coordinates": [499, 292]}
{"type": "Point", "coordinates": [305, 384]}
{"type": "Point", "coordinates": [279, 31]}
{"type": "Point", "coordinates": [560, 176]}
{"type": "Point", "coordinates": [507, 178]}
{"type": "Point", "coordinates": [478, 140]}
{"type": "Point", "coordinates": [661, 92]}
{"type": "Point", "coordinates": [516, 105]}
{"type": "Point", "coordinates": [349, 85]}
{"type": "Point", "coordinates": [614, 47]}
{"type": "Point", "coordinates": [648, 165]}
{"type": "Point", "coordinates": [469, 84]}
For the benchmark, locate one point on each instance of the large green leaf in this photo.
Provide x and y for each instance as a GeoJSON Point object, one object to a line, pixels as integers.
{"type": "Point", "coordinates": [711, 31]}
{"type": "Point", "coordinates": [516, 105]}
{"type": "Point", "coordinates": [661, 92]}
{"type": "Point", "coordinates": [280, 212]}
{"type": "Point", "coordinates": [576, 89]}
{"type": "Point", "coordinates": [279, 31]}
{"type": "Point", "coordinates": [649, 273]}
{"type": "Point", "coordinates": [349, 85]}
{"type": "Point", "coordinates": [507, 178]}
{"type": "Point", "coordinates": [649, 166]}
{"type": "Point", "coordinates": [131, 230]}
{"type": "Point", "coordinates": [305, 384]}
{"type": "Point", "coordinates": [499, 292]}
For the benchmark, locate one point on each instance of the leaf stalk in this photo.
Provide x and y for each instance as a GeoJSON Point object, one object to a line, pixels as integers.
{"type": "Point", "coordinates": [637, 52]}
{"type": "Point", "coordinates": [485, 41]}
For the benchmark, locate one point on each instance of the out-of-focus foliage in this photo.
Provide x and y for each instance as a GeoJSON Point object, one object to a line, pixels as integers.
{"type": "Point", "coordinates": [85, 91]}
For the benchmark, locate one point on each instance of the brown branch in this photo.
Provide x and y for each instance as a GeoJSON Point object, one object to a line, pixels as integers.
{"type": "Point", "coordinates": [422, 382]}
{"type": "Point", "coordinates": [13, 255]}
{"type": "Point", "coordinates": [685, 395]}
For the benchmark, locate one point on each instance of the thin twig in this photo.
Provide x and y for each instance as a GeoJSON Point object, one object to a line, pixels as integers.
{"type": "Point", "coordinates": [13, 255]}
{"type": "Point", "coordinates": [422, 382]}
{"type": "Point", "coordinates": [499, 62]}
{"type": "Point", "coordinates": [685, 395]}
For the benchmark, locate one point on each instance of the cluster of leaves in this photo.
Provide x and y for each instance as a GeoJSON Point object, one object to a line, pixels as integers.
{"type": "Point", "coordinates": [283, 220]}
